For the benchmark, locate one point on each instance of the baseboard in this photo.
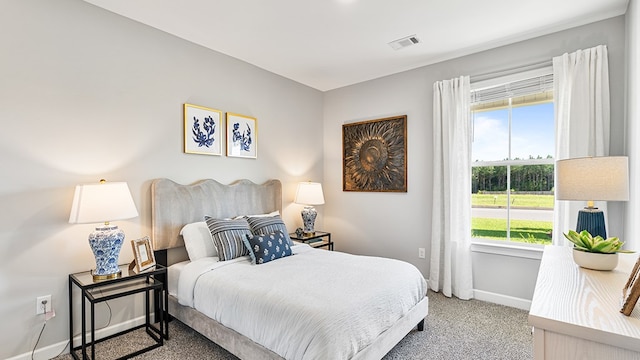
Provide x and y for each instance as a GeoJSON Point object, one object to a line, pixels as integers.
{"type": "Point", "coordinates": [62, 347]}
{"type": "Point", "coordinates": [500, 299]}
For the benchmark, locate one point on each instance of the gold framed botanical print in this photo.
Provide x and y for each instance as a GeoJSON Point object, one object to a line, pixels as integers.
{"type": "Point", "coordinates": [242, 136]}
{"type": "Point", "coordinates": [202, 130]}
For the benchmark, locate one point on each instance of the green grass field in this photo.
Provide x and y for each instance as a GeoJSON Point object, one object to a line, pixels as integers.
{"type": "Point", "coordinates": [517, 200]}
{"type": "Point", "coordinates": [527, 231]}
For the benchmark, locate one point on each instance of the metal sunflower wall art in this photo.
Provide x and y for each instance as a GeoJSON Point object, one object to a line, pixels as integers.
{"type": "Point", "coordinates": [375, 155]}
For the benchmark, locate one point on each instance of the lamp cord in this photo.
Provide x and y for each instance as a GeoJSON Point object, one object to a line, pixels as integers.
{"type": "Point", "coordinates": [68, 341]}
{"type": "Point", "coordinates": [37, 341]}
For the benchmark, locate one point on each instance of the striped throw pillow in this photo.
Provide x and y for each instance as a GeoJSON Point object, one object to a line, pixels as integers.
{"type": "Point", "coordinates": [268, 225]}
{"type": "Point", "coordinates": [228, 236]}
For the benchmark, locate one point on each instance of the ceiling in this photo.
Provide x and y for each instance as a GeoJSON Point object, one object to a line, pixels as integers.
{"type": "Point", "coordinates": [327, 44]}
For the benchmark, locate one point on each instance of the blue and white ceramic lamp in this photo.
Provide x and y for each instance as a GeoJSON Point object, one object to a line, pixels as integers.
{"type": "Point", "coordinates": [102, 203]}
{"type": "Point", "coordinates": [309, 194]}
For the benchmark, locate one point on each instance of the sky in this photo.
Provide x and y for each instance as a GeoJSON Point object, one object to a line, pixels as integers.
{"type": "Point", "coordinates": [532, 133]}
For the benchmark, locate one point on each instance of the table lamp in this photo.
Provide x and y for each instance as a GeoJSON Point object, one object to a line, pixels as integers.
{"type": "Point", "coordinates": [593, 178]}
{"type": "Point", "coordinates": [102, 203]}
{"type": "Point", "coordinates": [309, 194]}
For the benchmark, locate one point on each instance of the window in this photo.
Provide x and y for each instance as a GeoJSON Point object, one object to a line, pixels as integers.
{"type": "Point", "coordinates": [512, 161]}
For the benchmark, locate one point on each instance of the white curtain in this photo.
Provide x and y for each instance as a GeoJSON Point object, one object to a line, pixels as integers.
{"type": "Point", "coordinates": [451, 220]}
{"type": "Point", "coordinates": [581, 99]}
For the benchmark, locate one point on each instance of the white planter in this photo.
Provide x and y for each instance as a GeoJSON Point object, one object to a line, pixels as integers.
{"type": "Point", "coordinates": [595, 261]}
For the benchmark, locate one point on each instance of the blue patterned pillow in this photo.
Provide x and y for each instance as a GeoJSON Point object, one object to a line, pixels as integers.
{"type": "Point", "coordinates": [228, 237]}
{"type": "Point", "coordinates": [268, 225]}
{"type": "Point", "coordinates": [266, 247]}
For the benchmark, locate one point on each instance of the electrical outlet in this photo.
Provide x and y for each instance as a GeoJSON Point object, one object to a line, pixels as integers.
{"type": "Point", "coordinates": [40, 308]}
{"type": "Point", "coordinates": [421, 254]}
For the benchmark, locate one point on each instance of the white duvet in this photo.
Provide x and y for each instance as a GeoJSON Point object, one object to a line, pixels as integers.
{"type": "Point", "coordinates": [315, 304]}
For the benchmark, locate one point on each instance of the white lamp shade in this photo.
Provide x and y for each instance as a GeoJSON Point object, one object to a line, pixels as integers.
{"type": "Point", "coordinates": [103, 202]}
{"type": "Point", "coordinates": [593, 178]}
{"type": "Point", "coordinates": [309, 193]}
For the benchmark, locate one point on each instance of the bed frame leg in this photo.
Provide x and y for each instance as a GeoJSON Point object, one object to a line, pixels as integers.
{"type": "Point", "coordinates": [421, 325]}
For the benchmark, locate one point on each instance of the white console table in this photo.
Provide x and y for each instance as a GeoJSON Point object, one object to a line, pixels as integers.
{"type": "Point", "coordinates": [575, 312]}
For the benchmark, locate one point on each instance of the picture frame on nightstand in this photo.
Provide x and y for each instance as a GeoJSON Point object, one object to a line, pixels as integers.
{"type": "Point", "coordinates": [143, 254]}
{"type": "Point", "coordinates": [631, 291]}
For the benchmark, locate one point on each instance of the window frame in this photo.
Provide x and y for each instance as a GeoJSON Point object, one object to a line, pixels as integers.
{"type": "Point", "coordinates": [509, 247]}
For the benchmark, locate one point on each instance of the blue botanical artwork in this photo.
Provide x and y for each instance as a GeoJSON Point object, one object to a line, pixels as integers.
{"type": "Point", "coordinates": [242, 139]}
{"type": "Point", "coordinates": [241, 136]}
{"type": "Point", "coordinates": [202, 130]}
{"type": "Point", "coordinates": [204, 138]}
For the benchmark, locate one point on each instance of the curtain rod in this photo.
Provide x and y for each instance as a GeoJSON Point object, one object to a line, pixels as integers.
{"type": "Point", "coordinates": [512, 70]}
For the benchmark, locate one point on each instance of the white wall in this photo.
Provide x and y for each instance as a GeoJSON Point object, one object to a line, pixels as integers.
{"type": "Point", "coordinates": [396, 225]}
{"type": "Point", "coordinates": [86, 94]}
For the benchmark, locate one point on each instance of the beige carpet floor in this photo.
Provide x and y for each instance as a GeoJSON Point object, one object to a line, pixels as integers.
{"type": "Point", "coordinates": [454, 329]}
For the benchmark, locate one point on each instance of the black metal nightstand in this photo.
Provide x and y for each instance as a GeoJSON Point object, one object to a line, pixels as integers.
{"type": "Point", "coordinates": [128, 284]}
{"type": "Point", "coordinates": [320, 239]}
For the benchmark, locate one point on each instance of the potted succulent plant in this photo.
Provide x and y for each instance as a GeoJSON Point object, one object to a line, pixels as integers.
{"type": "Point", "coordinates": [596, 252]}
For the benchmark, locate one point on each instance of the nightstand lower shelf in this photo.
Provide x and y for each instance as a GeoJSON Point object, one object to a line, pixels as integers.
{"type": "Point", "coordinates": [96, 292]}
{"type": "Point", "coordinates": [320, 239]}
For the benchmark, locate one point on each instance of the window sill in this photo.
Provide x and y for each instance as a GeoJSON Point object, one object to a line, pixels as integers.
{"type": "Point", "coordinates": [523, 251]}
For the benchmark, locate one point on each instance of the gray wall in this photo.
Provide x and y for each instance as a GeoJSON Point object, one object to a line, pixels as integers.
{"type": "Point", "coordinates": [86, 94]}
{"type": "Point", "coordinates": [396, 225]}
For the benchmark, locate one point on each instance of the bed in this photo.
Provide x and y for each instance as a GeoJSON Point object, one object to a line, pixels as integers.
{"type": "Point", "coordinates": [313, 304]}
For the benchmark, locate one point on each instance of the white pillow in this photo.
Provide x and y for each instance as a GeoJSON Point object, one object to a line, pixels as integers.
{"type": "Point", "coordinates": [198, 241]}
{"type": "Point", "coordinates": [273, 213]}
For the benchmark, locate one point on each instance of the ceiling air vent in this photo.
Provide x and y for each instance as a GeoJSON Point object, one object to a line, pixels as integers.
{"type": "Point", "coordinates": [404, 42]}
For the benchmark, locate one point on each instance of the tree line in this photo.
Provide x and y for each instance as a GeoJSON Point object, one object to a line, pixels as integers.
{"type": "Point", "coordinates": [524, 178]}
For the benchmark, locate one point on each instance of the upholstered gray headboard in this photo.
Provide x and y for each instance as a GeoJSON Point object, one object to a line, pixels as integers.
{"type": "Point", "coordinates": [173, 205]}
